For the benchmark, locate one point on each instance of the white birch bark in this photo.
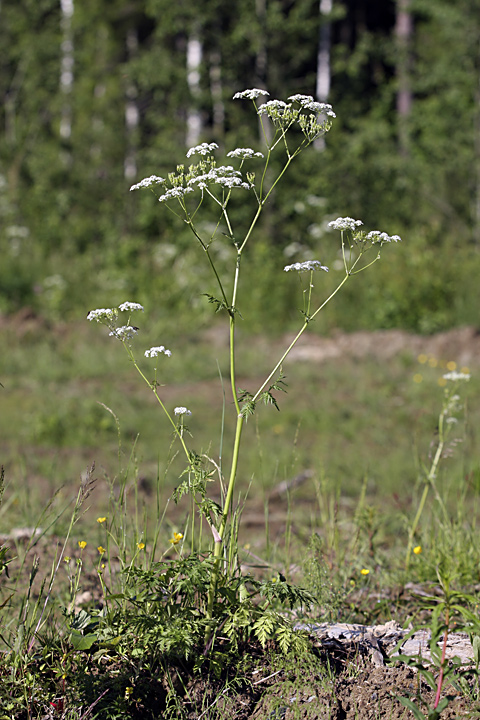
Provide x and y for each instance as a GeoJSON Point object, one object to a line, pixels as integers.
{"type": "Point", "coordinates": [403, 35]}
{"type": "Point", "coordinates": [322, 90]}
{"type": "Point", "coordinates": [66, 67]}
{"type": "Point", "coordinates": [132, 116]}
{"type": "Point", "coordinates": [194, 118]}
{"type": "Point", "coordinates": [216, 91]}
{"type": "Point", "coordinates": [261, 63]}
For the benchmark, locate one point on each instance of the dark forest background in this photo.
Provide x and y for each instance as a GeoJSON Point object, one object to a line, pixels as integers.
{"type": "Point", "coordinates": [97, 94]}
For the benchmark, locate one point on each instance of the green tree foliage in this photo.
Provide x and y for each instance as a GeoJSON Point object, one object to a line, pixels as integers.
{"type": "Point", "coordinates": [64, 200]}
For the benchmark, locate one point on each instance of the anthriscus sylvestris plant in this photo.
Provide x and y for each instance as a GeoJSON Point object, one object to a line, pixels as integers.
{"type": "Point", "coordinates": [184, 192]}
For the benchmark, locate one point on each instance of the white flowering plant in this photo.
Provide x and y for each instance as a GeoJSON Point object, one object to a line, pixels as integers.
{"type": "Point", "coordinates": [184, 192]}
{"type": "Point", "coordinates": [447, 419]}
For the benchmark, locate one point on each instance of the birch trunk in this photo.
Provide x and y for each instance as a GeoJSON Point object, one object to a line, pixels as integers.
{"type": "Point", "coordinates": [218, 107]}
{"type": "Point", "coordinates": [131, 114]}
{"type": "Point", "coordinates": [323, 61]}
{"type": "Point", "coordinates": [66, 68]}
{"type": "Point", "coordinates": [403, 35]}
{"type": "Point", "coordinates": [194, 118]}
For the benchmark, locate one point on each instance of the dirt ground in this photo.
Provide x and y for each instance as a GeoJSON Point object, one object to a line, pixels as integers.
{"type": "Point", "coordinates": [350, 687]}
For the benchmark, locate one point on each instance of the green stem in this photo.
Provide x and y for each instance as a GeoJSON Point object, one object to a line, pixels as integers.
{"type": "Point", "coordinates": [429, 482]}
{"type": "Point", "coordinates": [178, 433]}
{"type": "Point", "coordinates": [217, 553]}
{"type": "Point", "coordinates": [442, 662]}
{"type": "Point", "coordinates": [297, 337]}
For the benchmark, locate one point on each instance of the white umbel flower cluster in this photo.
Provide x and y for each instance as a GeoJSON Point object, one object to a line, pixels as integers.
{"type": "Point", "coordinates": [382, 237]}
{"type": "Point", "coordinates": [126, 332]}
{"type": "Point", "coordinates": [130, 307]}
{"type": "Point", "coordinates": [277, 106]}
{"type": "Point", "coordinates": [250, 94]}
{"type": "Point", "coordinates": [155, 351]}
{"type": "Point", "coordinates": [174, 193]}
{"type": "Point", "coordinates": [346, 223]}
{"type": "Point", "coordinates": [182, 411]}
{"type": "Point", "coordinates": [308, 265]}
{"type": "Point", "coordinates": [148, 182]}
{"type": "Point", "coordinates": [455, 376]}
{"type": "Point", "coordinates": [244, 153]}
{"type": "Point", "coordinates": [225, 175]}
{"type": "Point", "coordinates": [102, 314]}
{"type": "Point", "coordinates": [203, 149]}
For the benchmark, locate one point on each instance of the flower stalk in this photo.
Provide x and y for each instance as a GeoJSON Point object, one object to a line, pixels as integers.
{"type": "Point", "coordinates": [183, 193]}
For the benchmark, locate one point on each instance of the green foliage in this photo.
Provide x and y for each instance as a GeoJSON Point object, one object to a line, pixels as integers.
{"type": "Point", "coordinates": [52, 234]}
{"type": "Point", "coordinates": [452, 609]}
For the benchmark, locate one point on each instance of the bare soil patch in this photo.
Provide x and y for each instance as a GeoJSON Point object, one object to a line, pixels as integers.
{"type": "Point", "coordinates": [459, 344]}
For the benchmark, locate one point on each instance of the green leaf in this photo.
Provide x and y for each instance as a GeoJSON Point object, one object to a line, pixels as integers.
{"type": "Point", "coordinates": [264, 626]}
{"type": "Point", "coordinates": [83, 642]}
{"type": "Point", "coordinates": [411, 706]}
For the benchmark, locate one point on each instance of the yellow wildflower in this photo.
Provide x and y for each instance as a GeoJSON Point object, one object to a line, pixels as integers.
{"type": "Point", "coordinates": [432, 361]}
{"type": "Point", "coordinates": [140, 546]}
{"type": "Point", "coordinates": [364, 571]}
{"type": "Point", "coordinates": [451, 365]}
{"type": "Point", "coordinates": [417, 549]}
{"type": "Point", "coordinates": [101, 519]}
{"type": "Point", "coordinates": [82, 544]}
{"type": "Point", "coordinates": [422, 358]}
{"type": "Point", "coordinates": [442, 382]}
{"type": "Point", "coordinates": [176, 538]}
{"type": "Point", "coordinates": [101, 549]}
{"type": "Point", "coordinates": [67, 559]}
{"type": "Point", "coordinates": [417, 378]}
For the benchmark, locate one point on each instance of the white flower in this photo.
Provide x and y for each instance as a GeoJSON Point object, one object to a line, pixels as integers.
{"type": "Point", "coordinates": [306, 266]}
{"type": "Point", "coordinates": [224, 175]}
{"type": "Point", "coordinates": [346, 223]}
{"type": "Point", "coordinates": [155, 351]}
{"type": "Point", "coordinates": [249, 94]}
{"type": "Point", "coordinates": [455, 376]}
{"type": "Point", "coordinates": [203, 149]}
{"type": "Point", "coordinates": [319, 107]}
{"type": "Point", "coordinates": [176, 192]}
{"type": "Point", "coordinates": [302, 99]}
{"type": "Point", "coordinates": [182, 411]}
{"type": "Point", "coordinates": [244, 153]}
{"type": "Point", "coordinates": [382, 237]}
{"type": "Point", "coordinates": [272, 106]}
{"type": "Point", "coordinates": [101, 314]}
{"type": "Point", "coordinates": [130, 306]}
{"type": "Point", "coordinates": [147, 182]}
{"type": "Point", "coordinates": [126, 332]}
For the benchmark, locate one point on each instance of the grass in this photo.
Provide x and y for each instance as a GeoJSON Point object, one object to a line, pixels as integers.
{"type": "Point", "coordinates": [352, 422]}
{"type": "Point", "coordinates": [357, 431]}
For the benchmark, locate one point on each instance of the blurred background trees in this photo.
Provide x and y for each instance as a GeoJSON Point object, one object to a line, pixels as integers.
{"type": "Point", "coordinates": [101, 93]}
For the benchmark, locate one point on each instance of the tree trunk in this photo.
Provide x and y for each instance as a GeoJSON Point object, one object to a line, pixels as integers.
{"type": "Point", "coordinates": [66, 68]}
{"type": "Point", "coordinates": [323, 61]}
{"type": "Point", "coordinates": [403, 35]}
{"type": "Point", "coordinates": [194, 117]}
{"type": "Point", "coordinates": [261, 64]}
{"type": "Point", "coordinates": [218, 107]}
{"type": "Point", "coordinates": [131, 113]}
